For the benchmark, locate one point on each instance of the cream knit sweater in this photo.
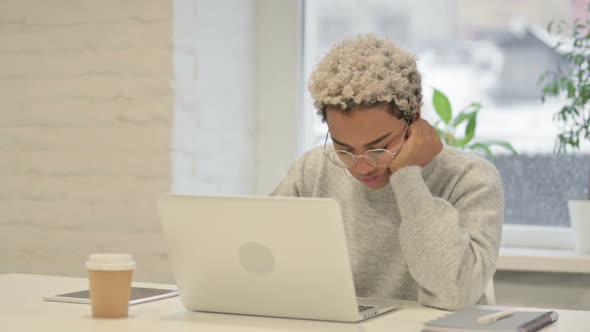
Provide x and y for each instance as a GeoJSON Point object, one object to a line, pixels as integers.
{"type": "Point", "coordinates": [431, 235]}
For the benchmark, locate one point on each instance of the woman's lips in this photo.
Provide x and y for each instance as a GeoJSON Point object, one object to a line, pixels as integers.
{"type": "Point", "coordinates": [372, 180]}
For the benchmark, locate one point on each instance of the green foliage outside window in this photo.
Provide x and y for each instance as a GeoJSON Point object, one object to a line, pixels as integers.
{"type": "Point", "coordinates": [448, 124]}
{"type": "Point", "coordinates": [573, 81]}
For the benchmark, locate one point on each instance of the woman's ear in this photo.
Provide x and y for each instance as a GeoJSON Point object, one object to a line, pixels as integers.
{"type": "Point", "coordinates": [417, 114]}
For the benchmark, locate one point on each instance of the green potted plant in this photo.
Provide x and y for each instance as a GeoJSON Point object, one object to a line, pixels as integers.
{"type": "Point", "coordinates": [447, 127]}
{"type": "Point", "coordinates": [572, 81]}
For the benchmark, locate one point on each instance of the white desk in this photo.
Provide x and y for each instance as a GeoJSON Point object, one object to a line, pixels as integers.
{"type": "Point", "coordinates": [22, 309]}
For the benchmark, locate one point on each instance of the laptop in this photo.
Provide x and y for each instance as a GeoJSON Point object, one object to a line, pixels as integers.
{"type": "Point", "coordinates": [266, 256]}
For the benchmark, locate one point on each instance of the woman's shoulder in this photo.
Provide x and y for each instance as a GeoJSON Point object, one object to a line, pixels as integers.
{"type": "Point", "coordinates": [313, 158]}
{"type": "Point", "coordinates": [466, 161]}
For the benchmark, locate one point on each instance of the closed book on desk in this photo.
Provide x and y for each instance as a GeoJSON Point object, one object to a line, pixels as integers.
{"type": "Point", "coordinates": [466, 320]}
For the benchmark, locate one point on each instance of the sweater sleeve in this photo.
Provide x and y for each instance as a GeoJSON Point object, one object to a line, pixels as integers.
{"type": "Point", "coordinates": [302, 176]}
{"type": "Point", "coordinates": [451, 248]}
{"type": "Point", "coordinates": [291, 185]}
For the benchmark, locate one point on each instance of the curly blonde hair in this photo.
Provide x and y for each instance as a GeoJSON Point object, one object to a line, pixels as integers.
{"type": "Point", "coordinates": [367, 70]}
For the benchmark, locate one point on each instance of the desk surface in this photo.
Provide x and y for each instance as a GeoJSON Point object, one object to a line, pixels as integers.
{"type": "Point", "coordinates": [22, 309]}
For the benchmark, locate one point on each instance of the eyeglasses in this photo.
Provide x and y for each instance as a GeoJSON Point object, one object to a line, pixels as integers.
{"type": "Point", "coordinates": [374, 157]}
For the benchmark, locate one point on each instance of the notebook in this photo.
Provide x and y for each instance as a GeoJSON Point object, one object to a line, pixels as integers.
{"type": "Point", "coordinates": [466, 320]}
{"type": "Point", "coordinates": [266, 256]}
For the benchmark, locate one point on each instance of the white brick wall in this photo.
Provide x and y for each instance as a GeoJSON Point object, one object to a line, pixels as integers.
{"type": "Point", "coordinates": [91, 131]}
{"type": "Point", "coordinates": [85, 132]}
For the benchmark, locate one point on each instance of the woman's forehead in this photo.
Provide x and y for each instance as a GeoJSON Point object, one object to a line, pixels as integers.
{"type": "Point", "coordinates": [373, 117]}
{"type": "Point", "coordinates": [360, 126]}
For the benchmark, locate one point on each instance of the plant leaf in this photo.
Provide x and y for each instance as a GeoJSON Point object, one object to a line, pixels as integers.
{"type": "Point", "coordinates": [442, 106]}
{"type": "Point", "coordinates": [483, 147]}
{"type": "Point", "coordinates": [474, 107]}
{"type": "Point", "coordinates": [571, 91]}
{"type": "Point", "coordinates": [502, 144]}
{"type": "Point", "coordinates": [469, 130]}
{"type": "Point", "coordinates": [462, 116]}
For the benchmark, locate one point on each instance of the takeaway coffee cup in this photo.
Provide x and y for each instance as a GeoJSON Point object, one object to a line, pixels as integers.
{"type": "Point", "coordinates": [109, 278]}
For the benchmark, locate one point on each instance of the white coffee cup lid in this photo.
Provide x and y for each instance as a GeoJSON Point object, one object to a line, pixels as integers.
{"type": "Point", "coordinates": [110, 262]}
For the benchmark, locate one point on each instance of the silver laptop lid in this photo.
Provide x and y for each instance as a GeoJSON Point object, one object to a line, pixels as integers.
{"type": "Point", "coordinates": [270, 256]}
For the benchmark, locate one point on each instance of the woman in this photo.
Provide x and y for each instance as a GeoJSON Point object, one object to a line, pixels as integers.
{"type": "Point", "coordinates": [423, 221]}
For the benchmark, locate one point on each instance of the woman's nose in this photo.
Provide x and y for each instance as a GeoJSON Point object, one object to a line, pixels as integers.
{"type": "Point", "coordinates": [363, 167]}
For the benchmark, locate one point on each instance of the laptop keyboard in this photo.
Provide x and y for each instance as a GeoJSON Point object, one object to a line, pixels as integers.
{"type": "Point", "coordinates": [365, 307]}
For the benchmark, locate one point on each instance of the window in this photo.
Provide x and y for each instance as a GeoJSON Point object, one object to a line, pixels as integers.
{"type": "Point", "coordinates": [489, 52]}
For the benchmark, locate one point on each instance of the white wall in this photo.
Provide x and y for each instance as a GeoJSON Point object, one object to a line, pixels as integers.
{"type": "Point", "coordinates": [237, 86]}
{"type": "Point", "coordinates": [277, 107]}
{"type": "Point", "coordinates": [213, 117]}
{"type": "Point", "coordinates": [85, 118]}
{"type": "Point", "coordinates": [543, 290]}
{"type": "Point", "coordinates": [107, 104]}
